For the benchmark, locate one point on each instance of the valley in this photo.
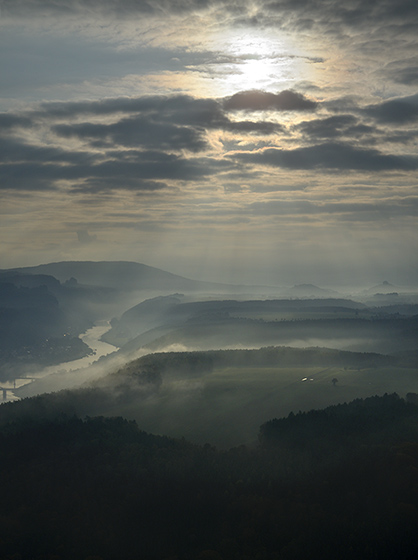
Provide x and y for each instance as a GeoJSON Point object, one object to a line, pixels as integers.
{"type": "Point", "coordinates": [212, 422]}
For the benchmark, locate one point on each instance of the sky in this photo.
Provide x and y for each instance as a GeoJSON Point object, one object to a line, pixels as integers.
{"type": "Point", "coordinates": [269, 142]}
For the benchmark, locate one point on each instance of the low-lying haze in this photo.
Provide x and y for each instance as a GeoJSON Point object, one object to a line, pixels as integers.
{"type": "Point", "coordinates": [166, 349]}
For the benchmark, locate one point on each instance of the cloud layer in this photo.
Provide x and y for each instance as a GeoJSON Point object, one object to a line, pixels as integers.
{"type": "Point", "coordinates": [142, 140]}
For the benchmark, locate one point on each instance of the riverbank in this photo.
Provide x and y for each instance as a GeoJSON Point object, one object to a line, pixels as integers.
{"type": "Point", "coordinates": [63, 375]}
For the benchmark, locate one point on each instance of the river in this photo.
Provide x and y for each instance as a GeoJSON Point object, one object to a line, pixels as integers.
{"type": "Point", "coordinates": [91, 337]}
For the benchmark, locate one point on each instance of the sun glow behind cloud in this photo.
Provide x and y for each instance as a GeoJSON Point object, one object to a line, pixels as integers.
{"type": "Point", "coordinates": [249, 59]}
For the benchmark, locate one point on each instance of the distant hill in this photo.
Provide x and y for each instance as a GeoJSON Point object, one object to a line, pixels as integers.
{"type": "Point", "coordinates": [223, 323]}
{"type": "Point", "coordinates": [382, 289]}
{"type": "Point", "coordinates": [29, 280]}
{"type": "Point", "coordinates": [122, 275]}
{"type": "Point", "coordinates": [309, 291]}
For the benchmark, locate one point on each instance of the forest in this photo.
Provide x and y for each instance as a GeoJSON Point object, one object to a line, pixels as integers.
{"type": "Point", "coordinates": [341, 482]}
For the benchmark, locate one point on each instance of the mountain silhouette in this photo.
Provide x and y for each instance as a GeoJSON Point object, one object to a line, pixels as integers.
{"type": "Point", "coordinates": [122, 275]}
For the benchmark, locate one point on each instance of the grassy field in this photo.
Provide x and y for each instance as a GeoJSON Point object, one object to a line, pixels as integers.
{"type": "Point", "coordinates": [227, 406]}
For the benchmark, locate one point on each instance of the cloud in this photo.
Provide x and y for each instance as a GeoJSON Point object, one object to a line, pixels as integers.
{"type": "Point", "coordinates": [185, 106]}
{"type": "Point", "coordinates": [256, 100]}
{"type": "Point", "coordinates": [92, 185]}
{"type": "Point", "coordinates": [351, 13]}
{"type": "Point", "coordinates": [330, 156]}
{"type": "Point", "coordinates": [9, 121]}
{"type": "Point", "coordinates": [138, 131]}
{"type": "Point", "coordinates": [19, 151]}
{"type": "Point", "coordinates": [36, 168]}
{"type": "Point", "coordinates": [135, 151]}
{"type": "Point", "coordinates": [140, 143]}
{"type": "Point", "coordinates": [402, 71]}
{"type": "Point", "coordinates": [115, 7]}
{"type": "Point", "coordinates": [154, 119]}
{"type": "Point", "coordinates": [334, 127]}
{"type": "Point", "coordinates": [25, 177]}
{"type": "Point", "coordinates": [402, 110]}
{"type": "Point", "coordinates": [141, 171]}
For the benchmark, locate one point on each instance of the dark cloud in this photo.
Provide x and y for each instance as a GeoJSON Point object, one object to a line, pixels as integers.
{"type": "Point", "coordinates": [257, 100]}
{"type": "Point", "coordinates": [142, 146]}
{"type": "Point", "coordinates": [146, 104]}
{"type": "Point", "coordinates": [403, 71]}
{"type": "Point", "coordinates": [176, 122]}
{"type": "Point", "coordinates": [9, 120]}
{"type": "Point", "coordinates": [402, 137]}
{"type": "Point", "coordinates": [140, 171]}
{"type": "Point", "coordinates": [351, 12]}
{"type": "Point", "coordinates": [330, 156]}
{"type": "Point", "coordinates": [407, 76]}
{"type": "Point", "coordinates": [17, 151]}
{"type": "Point", "coordinates": [331, 15]}
{"type": "Point", "coordinates": [119, 7]}
{"type": "Point", "coordinates": [138, 131]}
{"type": "Point", "coordinates": [334, 127]}
{"type": "Point", "coordinates": [152, 127]}
{"type": "Point", "coordinates": [156, 165]}
{"type": "Point", "coordinates": [208, 114]}
{"type": "Point", "coordinates": [27, 176]}
{"type": "Point", "coordinates": [180, 109]}
{"type": "Point", "coordinates": [176, 109]}
{"type": "Point", "coordinates": [335, 14]}
{"type": "Point", "coordinates": [402, 110]}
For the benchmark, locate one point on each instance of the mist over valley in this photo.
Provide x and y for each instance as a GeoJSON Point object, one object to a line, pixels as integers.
{"type": "Point", "coordinates": [166, 349]}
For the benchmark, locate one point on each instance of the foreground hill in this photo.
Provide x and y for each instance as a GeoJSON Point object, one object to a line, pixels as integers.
{"type": "Point", "coordinates": [222, 397]}
{"type": "Point", "coordinates": [102, 489]}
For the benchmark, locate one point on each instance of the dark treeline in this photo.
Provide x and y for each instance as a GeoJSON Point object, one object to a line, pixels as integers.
{"type": "Point", "coordinates": [272, 356]}
{"type": "Point", "coordinates": [373, 420]}
{"type": "Point", "coordinates": [101, 488]}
